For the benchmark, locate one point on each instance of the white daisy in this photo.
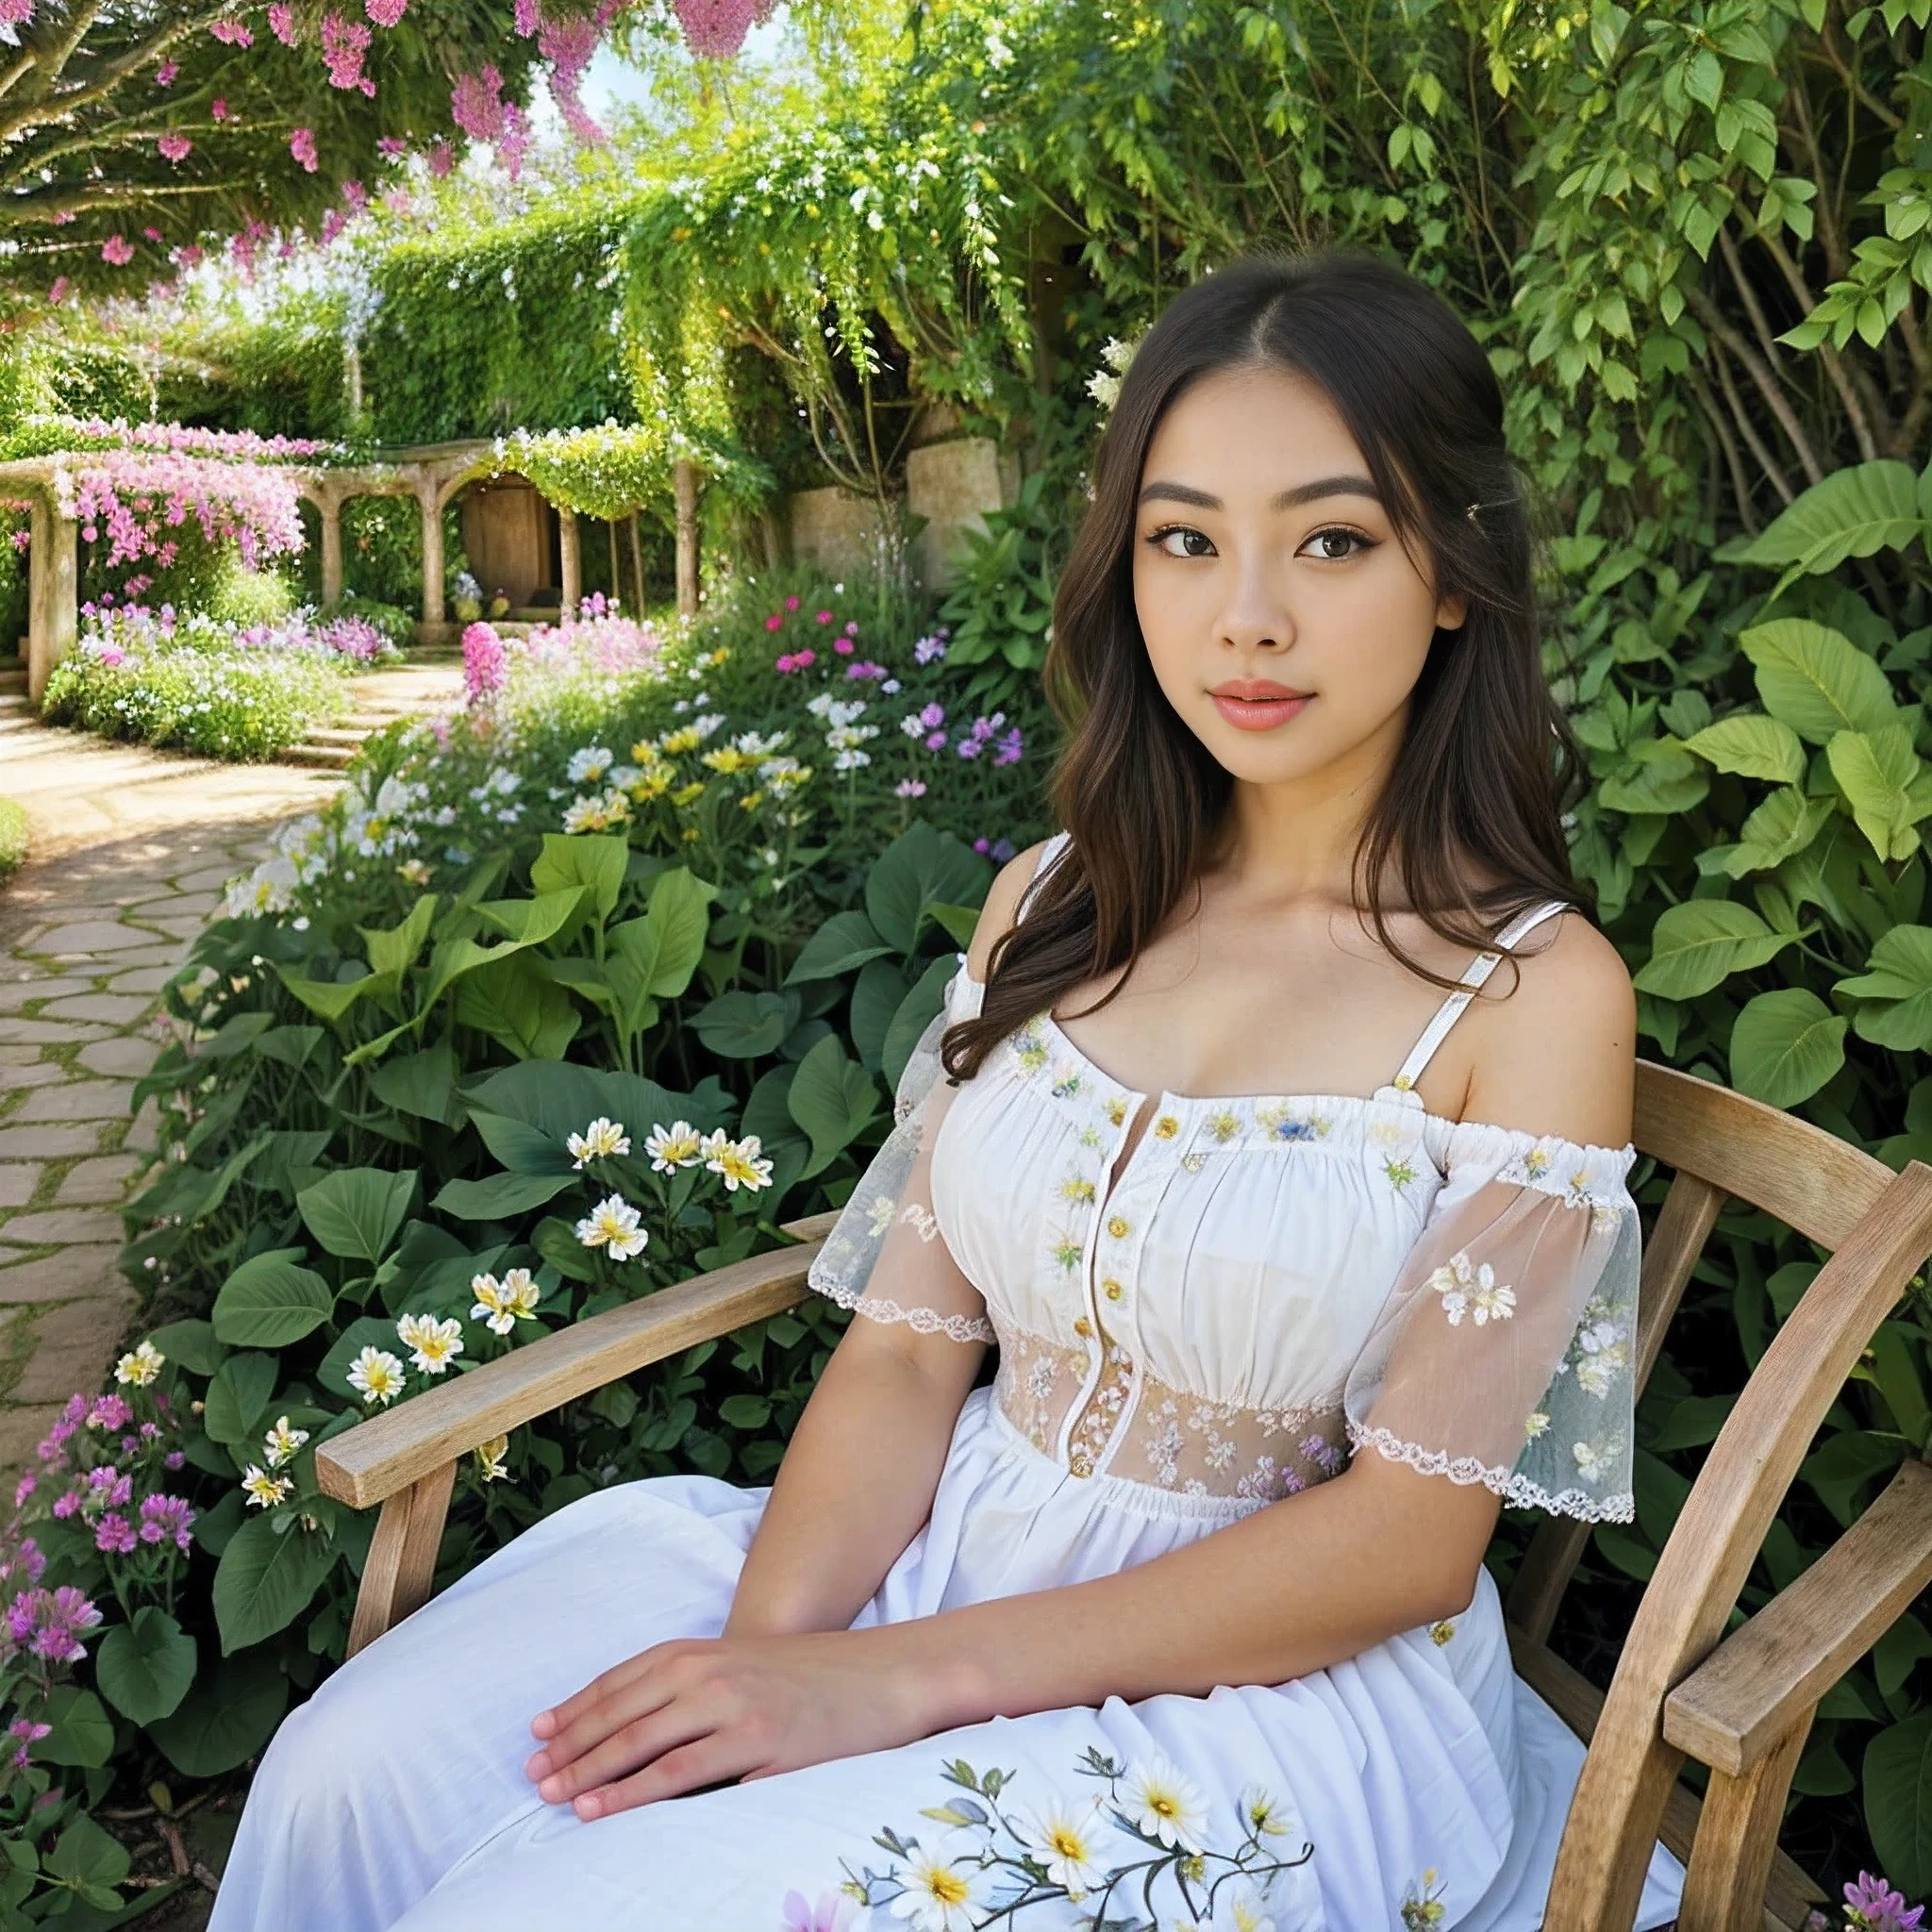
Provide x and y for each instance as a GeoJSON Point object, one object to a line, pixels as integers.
{"type": "Point", "coordinates": [432, 1345]}
{"type": "Point", "coordinates": [140, 1365]}
{"type": "Point", "coordinates": [677, 1146]}
{"type": "Point", "coordinates": [376, 1376]}
{"type": "Point", "coordinates": [589, 765]}
{"type": "Point", "coordinates": [600, 1141]}
{"type": "Point", "coordinates": [1161, 1800]}
{"type": "Point", "coordinates": [612, 1225]}
{"type": "Point", "coordinates": [500, 1305]}
{"type": "Point", "coordinates": [264, 1490]}
{"type": "Point", "coordinates": [1064, 1841]}
{"type": "Point", "coordinates": [740, 1163]}
{"type": "Point", "coordinates": [282, 1443]}
{"type": "Point", "coordinates": [942, 1887]}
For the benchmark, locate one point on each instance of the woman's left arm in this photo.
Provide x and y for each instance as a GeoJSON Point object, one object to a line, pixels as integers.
{"type": "Point", "coordinates": [1305, 1583]}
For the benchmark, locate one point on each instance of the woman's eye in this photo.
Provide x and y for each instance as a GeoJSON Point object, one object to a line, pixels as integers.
{"type": "Point", "coordinates": [1162, 540]}
{"type": "Point", "coordinates": [1334, 545]}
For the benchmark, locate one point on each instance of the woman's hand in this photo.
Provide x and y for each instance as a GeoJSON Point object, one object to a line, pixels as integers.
{"type": "Point", "coordinates": [699, 1712]}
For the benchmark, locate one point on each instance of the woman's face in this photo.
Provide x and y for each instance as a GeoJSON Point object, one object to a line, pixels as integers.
{"type": "Point", "coordinates": [1284, 618]}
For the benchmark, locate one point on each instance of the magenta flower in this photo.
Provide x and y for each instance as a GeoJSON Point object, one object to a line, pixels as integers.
{"type": "Point", "coordinates": [843, 646]}
{"type": "Point", "coordinates": [174, 1459]}
{"type": "Point", "coordinates": [774, 622]}
{"type": "Point", "coordinates": [823, 617]}
{"type": "Point", "coordinates": [114, 1534]}
{"type": "Point", "coordinates": [529, 17]}
{"type": "Point", "coordinates": [232, 33]}
{"type": "Point", "coordinates": [110, 1411]}
{"type": "Point", "coordinates": [852, 628]}
{"type": "Point", "coordinates": [301, 145]}
{"type": "Point", "coordinates": [25, 1487]}
{"type": "Point", "coordinates": [385, 12]}
{"type": "Point", "coordinates": [118, 250]}
{"type": "Point", "coordinates": [442, 158]}
{"type": "Point", "coordinates": [865, 668]}
{"type": "Point", "coordinates": [163, 1517]}
{"type": "Point", "coordinates": [165, 72]}
{"type": "Point", "coordinates": [26, 1562]}
{"type": "Point", "coordinates": [66, 1504]}
{"type": "Point", "coordinates": [175, 147]}
{"type": "Point", "coordinates": [792, 602]}
{"type": "Point", "coordinates": [343, 44]}
{"type": "Point", "coordinates": [476, 103]}
{"type": "Point", "coordinates": [936, 740]}
{"type": "Point", "coordinates": [1873, 1905]}
{"type": "Point", "coordinates": [715, 29]}
{"type": "Point", "coordinates": [16, 12]}
{"type": "Point", "coordinates": [281, 21]}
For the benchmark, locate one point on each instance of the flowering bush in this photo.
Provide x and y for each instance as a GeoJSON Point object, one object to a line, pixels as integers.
{"type": "Point", "coordinates": [222, 689]}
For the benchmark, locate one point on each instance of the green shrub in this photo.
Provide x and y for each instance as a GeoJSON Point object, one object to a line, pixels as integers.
{"type": "Point", "coordinates": [14, 838]}
{"type": "Point", "coordinates": [242, 596]}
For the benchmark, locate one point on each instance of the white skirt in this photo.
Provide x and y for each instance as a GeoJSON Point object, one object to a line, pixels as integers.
{"type": "Point", "coordinates": [1422, 1771]}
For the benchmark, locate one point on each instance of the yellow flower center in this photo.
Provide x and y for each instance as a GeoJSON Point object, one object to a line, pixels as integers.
{"type": "Point", "coordinates": [947, 1886]}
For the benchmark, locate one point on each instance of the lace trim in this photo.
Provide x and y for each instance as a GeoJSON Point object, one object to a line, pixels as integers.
{"type": "Point", "coordinates": [1512, 1487]}
{"type": "Point", "coordinates": [922, 1320]}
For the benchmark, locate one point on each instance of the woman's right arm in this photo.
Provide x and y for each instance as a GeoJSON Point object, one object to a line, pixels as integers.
{"type": "Point", "coordinates": [859, 1476]}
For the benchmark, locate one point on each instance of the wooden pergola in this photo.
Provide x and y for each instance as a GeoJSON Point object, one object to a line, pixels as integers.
{"type": "Point", "coordinates": [431, 472]}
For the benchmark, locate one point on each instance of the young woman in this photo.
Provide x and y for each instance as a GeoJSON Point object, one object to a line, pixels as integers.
{"type": "Point", "coordinates": [1303, 1236]}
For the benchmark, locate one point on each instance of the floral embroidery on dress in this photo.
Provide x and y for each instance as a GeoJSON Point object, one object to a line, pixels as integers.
{"type": "Point", "coordinates": [1596, 1460]}
{"type": "Point", "coordinates": [1471, 1289]}
{"type": "Point", "coordinates": [1030, 1052]}
{"type": "Point", "coordinates": [1600, 1349]}
{"type": "Point", "coordinates": [1421, 1904]}
{"type": "Point", "coordinates": [1440, 1633]}
{"type": "Point", "coordinates": [1223, 1125]}
{"type": "Point", "coordinates": [1284, 1121]}
{"type": "Point", "coordinates": [1116, 1110]}
{"type": "Point", "coordinates": [1066, 1082]}
{"type": "Point", "coordinates": [1400, 1174]}
{"type": "Point", "coordinates": [1138, 1847]}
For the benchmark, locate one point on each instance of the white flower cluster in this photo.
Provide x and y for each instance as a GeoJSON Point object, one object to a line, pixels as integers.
{"type": "Point", "coordinates": [1103, 385]}
{"type": "Point", "coordinates": [843, 733]}
{"type": "Point", "coordinates": [264, 1490]}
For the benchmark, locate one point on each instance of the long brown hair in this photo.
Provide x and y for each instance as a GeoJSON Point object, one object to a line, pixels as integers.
{"type": "Point", "coordinates": [1486, 758]}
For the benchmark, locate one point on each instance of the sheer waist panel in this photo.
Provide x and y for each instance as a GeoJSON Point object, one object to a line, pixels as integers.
{"type": "Point", "coordinates": [1170, 1439]}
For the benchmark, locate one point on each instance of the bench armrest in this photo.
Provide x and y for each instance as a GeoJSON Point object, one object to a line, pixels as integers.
{"type": "Point", "coordinates": [377, 1458]}
{"type": "Point", "coordinates": [1766, 1677]}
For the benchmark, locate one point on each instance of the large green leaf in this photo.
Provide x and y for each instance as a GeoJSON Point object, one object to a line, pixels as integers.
{"type": "Point", "coordinates": [920, 868]}
{"type": "Point", "coordinates": [1898, 1801]}
{"type": "Point", "coordinates": [1752, 746]}
{"type": "Point", "coordinates": [1852, 513]}
{"type": "Point", "coordinates": [331, 998]}
{"type": "Point", "coordinates": [1785, 1046]}
{"type": "Point", "coordinates": [1697, 945]}
{"type": "Point", "coordinates": [83, 1733]}
{"type": "Point", "coordinates": [392, 951]}
{"type": "Point", "coordinates": [741, 1026]}
{"type": "Point", "coordinates": [265, 1580]}
{"type": "Point", "coordinates": [268, 1302]}
{"type": "Point", "coordinates": [421, 1084]}
{"type": "Point", "coordinates": [93, 1862]}
{"type": "Point", "coordinates": [583, 860]}
{"type": "Point", "coordinates": [522, 1148]}
{"type": "Point", "coordinates": [1885, 784]}
{"type": "Point", "coordinates": [832, 1098]}
{"type": "Point", "coordinates": [844, 943]}
{"type": "Point", "coordinates": [1779, 827]}
{"type": "Point", "coordinates": [539, 919]}
{"type": "Point", "coordinates": [228, 1716]}
{"type": "Point", "coordinates": [501, 1197]}
{"type": "Point", "coordinates": [1817, 680]}
{"type": "Point", "coordinates": [1898, 979]}
{"type": "Point", "coordinates": [355, 1212]}
{"type": "Point", "coordinates": [145, 1668]}
{"type": "Point", "coordinates": [1663, 778]}
{"type": "Point", "coordinates": [237, 1397]}
{"type": "Point", "coordinates": [915, 1013]}
{"type": "Point", "coordinates": [519, 1006]}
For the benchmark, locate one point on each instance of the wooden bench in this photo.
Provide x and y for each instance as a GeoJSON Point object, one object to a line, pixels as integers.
{"type": "Point", "coordinates": [1741, 1705]}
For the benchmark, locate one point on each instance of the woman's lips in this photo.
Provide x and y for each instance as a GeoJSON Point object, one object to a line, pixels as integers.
{"type": "Point", "coordinates": [1261, 714]}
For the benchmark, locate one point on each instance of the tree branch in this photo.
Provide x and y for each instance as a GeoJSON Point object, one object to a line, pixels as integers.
{"type": "Point", "coordinates": [1740, 487]}
{"type": "Point", "coordinates": [56, 107]}
{"type": "Point", "coordinates": [1766, 382]}
{"type": "Point", "coordinates": [1748, 430]}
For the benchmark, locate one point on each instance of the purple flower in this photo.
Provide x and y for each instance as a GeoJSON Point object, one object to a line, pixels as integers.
{"type": "Point", "coordinates": [932, 715]}
{"type": "Point", "coordinates": [843, 646]}
{"type": "Point", "coordinates": [865, 668]}
{"type": "Point", "coordinates": [109, 1412]}
{"type": "Point", "coordinates": [173, 1458]}
{"type": "Point", "coordinates": [831, 1914]}
{"type": "Point", "coordinates": [936, 740]}
{"type": "Point", "coordinates": [25, 1487]}
{"type": "Point", "coordinates": [1003, 849]}
{"type": "Point", "coordinates": [928, 649]}
{"type": "Point", "coordinates": [970, 747]}
{"type": "Point", "coordinates": [1873, 1905]}
{"type": "Point", "coordinates": [165, 1516]}
{"type": "Point", "coordinates": [49, 1623]}
{"type": "Point", "coordinates": [910, 788]}
{"type": "Point", "coordinates": [28, 1560]}
{"type": "Point", "coordinates": [114, 1534]}
{"type": "Point", "coordinates": [1011, 748]}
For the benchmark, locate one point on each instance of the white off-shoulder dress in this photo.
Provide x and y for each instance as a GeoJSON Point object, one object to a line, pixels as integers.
{"type": "Point", "coordinates": [1268, 1285]}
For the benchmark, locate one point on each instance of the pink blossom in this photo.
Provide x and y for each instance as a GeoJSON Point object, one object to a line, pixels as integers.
{"type": "Point", "coordinates": [831, 1914]}
{"type": "Point", "coordinates": [190, 255]}
{"type": "Point", "coordinates": [391, 149]}
{"type": "Point", "coordinates": [165, 72]}
{"type": "Point", "coordinates": [153, 234]}
{"type": "Point", "coordinates": [175, 147]}
{"type": "Point", "coordinates": [385, 12]}
{"type": "Point", "coordinates": [118, 250]}
{"type": "Point", "coordinates": [515, 140]}
{"type": "Point", "coordinates": [58, 290]}
{"type": "Point", "coordinates": [398, 202]}
{"type": "Point", "coordinates": [281, 21]}
{"type": "Point", "coordinates": [774, 623]}
{"type": "Point", "coordinates": [442, 158]}
{"type": "Point", "coordinates": [843, 646]}
{"type": "Point", "coordinates": [910, 788]}
{"type": "Point", "coordinates": [792, 602]}
{"type": "Point", "coordinates": [568, 45]}
{"type": "Point", "coordinates": [476, 103]}
{"type": "Point", "coordinates": [343, 44]}
{"type": "Point", "coordinates": [166, 1517]}
{"type": "Point", "coordinates": [232, 33]}
{"type": "Point", "coordinates": [61, 216]}
{"type": "Point", "coordinates": [824, 617]}
{"type": "Point", "coordinates": [485, 662]}
{"type": "Point", "coordinates": [333, 221]}
{"type": "Point", "coordinates": [110, 1412]}
{"type": "Point", "coordinates": [715, 29]}
{"type": "Point", "coordinates": [530, 16]}
{"type": "Point", "coordinates": [115, 1535]}
{"type": "Point", "coordinates": [219, 108]}
{"type": "Point", "coordinates": [16, 12]}
{"type": "Point", "coordinates": [301, 145]}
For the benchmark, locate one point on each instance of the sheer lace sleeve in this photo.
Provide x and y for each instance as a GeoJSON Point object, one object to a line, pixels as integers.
{"type": "Point", "coordinates": [1505, 1353]}
{"type": "Point", "coordinates": [885, 1257]}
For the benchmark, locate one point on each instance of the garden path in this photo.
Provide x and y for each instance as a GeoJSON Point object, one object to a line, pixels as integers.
{"type": "Point", "coordinates": [131, 849]}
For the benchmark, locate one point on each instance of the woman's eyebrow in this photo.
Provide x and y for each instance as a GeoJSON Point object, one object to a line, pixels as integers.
{"type": "Point", "coordinates": [1288, 499]}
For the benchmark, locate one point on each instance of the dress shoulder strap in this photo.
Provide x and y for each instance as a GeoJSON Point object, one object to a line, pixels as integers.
{"type": "Point", "coordinates": [1473, 977]}
{"type": "Point", "coordinates": [1049, 853]}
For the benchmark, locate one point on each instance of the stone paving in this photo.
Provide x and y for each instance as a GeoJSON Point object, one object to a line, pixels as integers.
{"type": "Point", "coordinates": [131, 850]}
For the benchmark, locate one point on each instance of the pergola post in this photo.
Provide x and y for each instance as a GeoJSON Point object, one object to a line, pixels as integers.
{"type": "Point", "coordinates": [429, 500]}
{"type": "Point", "coordinates": [53, 585]}
{"type": "Point", "coordinates": [572, 560]}
{"type": "Point", "coordinates": [684, 481]}
{"type": "Point", "coordinates": [328, 506]}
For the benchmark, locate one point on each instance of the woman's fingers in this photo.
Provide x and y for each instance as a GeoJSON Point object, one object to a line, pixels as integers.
{"type": "Point", "coordinates": [627, 1746]}
{"type": "Point", "coordinates": [595, 1723]}
{"type": "Point", "coordinates": [709, 1760]}
{"type": "Point", "coordinates": [546, 1723]}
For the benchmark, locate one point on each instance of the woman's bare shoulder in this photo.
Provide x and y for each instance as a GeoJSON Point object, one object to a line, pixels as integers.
{"type": "Point", "coordinates": [1557, 1056]}
{"type": "Point", "coordinates": [1002, 904]}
